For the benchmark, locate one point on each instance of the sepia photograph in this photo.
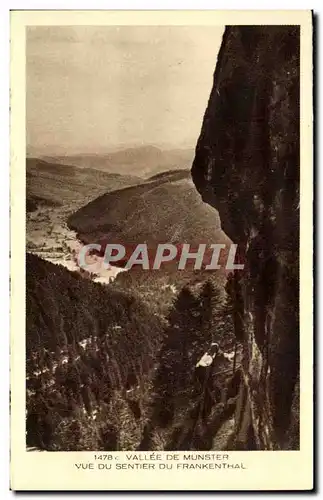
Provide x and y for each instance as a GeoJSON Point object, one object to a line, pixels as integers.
{"type": "Point", "coordinates": [162, 242]}
{"type": "Point", "coordinates": [140, 136]}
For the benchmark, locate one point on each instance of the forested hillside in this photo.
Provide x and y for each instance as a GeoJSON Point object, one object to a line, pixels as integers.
{"type": "Point", "coordinates": [106, 372]}
{"type": "Point", "coordinates": [85, 344]}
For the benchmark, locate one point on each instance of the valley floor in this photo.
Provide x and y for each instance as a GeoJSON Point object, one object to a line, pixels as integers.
{"type": "Point", "coordinates": [49, 237]}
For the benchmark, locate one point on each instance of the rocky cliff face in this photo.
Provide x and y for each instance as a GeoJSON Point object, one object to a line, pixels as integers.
{"type": "Point", "coordinates": [247, 167]}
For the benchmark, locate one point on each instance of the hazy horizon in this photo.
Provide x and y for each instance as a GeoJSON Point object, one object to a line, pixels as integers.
{"type": "Point", "coordinates": [101, 89]}
{"type": "Point", "coordinates": [33, 152]}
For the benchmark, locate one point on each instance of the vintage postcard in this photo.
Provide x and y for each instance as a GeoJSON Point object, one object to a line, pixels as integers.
{"type": "Point", "coordinates": [161, 250]}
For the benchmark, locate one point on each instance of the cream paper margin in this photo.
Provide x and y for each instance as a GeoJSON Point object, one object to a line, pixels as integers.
{"type": "Point", "coordinates": [277, 470]}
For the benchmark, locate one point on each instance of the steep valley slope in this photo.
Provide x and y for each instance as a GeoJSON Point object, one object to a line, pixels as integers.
{"type": "Point", "coordinates": [104, 372]}
{"type": "Point", "coordinates": [164, 209]}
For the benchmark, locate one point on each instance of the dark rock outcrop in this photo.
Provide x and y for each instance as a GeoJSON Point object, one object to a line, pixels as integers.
{"type": "Point", "coordinates": [247, 167]}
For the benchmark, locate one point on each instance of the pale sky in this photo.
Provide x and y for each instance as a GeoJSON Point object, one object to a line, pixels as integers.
{"type": "Point", "coordinates": [91, 89]}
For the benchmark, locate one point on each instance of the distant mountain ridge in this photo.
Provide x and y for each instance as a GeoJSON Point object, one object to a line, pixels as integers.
{"type": "Point", "coordinates": [142, 161]}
